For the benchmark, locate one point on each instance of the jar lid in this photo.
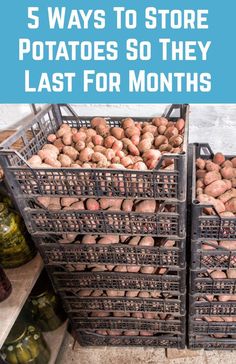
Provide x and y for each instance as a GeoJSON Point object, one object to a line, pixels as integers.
{"type": "Point", "coordinates": [17, 332]}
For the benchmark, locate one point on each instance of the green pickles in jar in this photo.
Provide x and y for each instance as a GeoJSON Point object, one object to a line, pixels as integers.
{"type": "Point", "coordinates": [25, 345]}
{"type": "Point", "coordinates": [14, 249]}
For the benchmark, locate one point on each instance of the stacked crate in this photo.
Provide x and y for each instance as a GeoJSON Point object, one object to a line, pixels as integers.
{"type": "Point", "coordinates": [212, 304]}
{"type": "Point", "coordinates": [116, 315]}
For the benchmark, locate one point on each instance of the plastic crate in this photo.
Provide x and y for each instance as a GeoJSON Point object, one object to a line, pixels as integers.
{"type": "Point", "coordinates": [40, 221]}
{"type": "Point", "coordinates": [170, 283]}
{"type": "Point", "coordinates": [204, 226]}
{"type": "Point", "coordinates": [54, 253]}
{"type": "Point", "coordinates": [210, 343]}
{"type": "Point", "coordinates": [90, 338]}
{"type": "Point", "coordinates": [219, 258]}
{"type": "Point", "coordinates": [174, 326]}
{"type": "Point", "coordinates": [202, 283]}
{"type": "Point", "coordinates": [26, 181]}
{"type": "Point", "coordinates": [199, 326]}
{"type": "Point", "coordinates": [74, 303]}
{"type": "Point", "coordinates": [211, 308]}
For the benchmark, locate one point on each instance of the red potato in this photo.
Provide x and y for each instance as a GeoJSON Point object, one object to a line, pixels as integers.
{"type": "Point", "coordinates": [117, 132]}
{"type": "Point", "coordinates": [152, 154]}
{"type": "Point", "coordinates": [135, 139]}
{"type": "Point", "coordinates": [127, 161]}
{"type": "Point", "coordinates": [155, 294]}
{"type": "Point", "coordinates": [64, 129]}
{"type": "Point", "coordinates": [160, 140]}
{"type": "Point", "coordinates": [89, 239]}
{"type": "Point", "coordinates": [233, 161]}
{"type": "Point", "coordinates": [146, 333]}
{"type": "Point", "coordinates": [79, 146]}
{"type": "Point", "coordinates": [109, 141]}
{"type": "Point", "coordinates": [150, 129]}
{"type": "Point", "coordinates": [71, 152]}
{"type": "Point", "coordinates": [228, 183]}
{"type": "Point", "coordinates": [52, 162]}
{"type": "Point", "coordinates": [86, 155]}
{"type": "Point", "coordinates": [201, 163]}
{"type": "Point", "coordinates": [110, 154]}
{"type": "Point", "coordinates": [215, 189]}
{"type": "Point", "coordinates": [127, 205]}
{"type": "Point", "coordinates": [146, 206]}
{"type": "Point", "coordinates": [67, 201]}
{"type": "Point", "coordinates": [127, 123]}
{"type": "Point", "coordinates": [219, 158]}
{"type": "Point", "coordinates": [110, 267]}
{"type": "Point", "coordinates": [51, 147]}
{"type": "Point", "coordinates": [65, 160]}
{"type": "Point", "coordinates": [148, 135]}
{"type": "Point", "coordinates": [150, 315]}
{"type": "Point", "coordinates": [211, 177]}
{"type": "Point", "coordinates": [85, 293]}
{"type": "Point", "coordinates": [210, 166]}
{"type": "Point", "coordinates": [231, 205]}
{"type": "Point", "coordinates": [90, 133]}
{"type": "Point", "coordinates": [97, 140]}
{"type": "Point", "coordinates": [117, 146]}
{"type": "Point", "coordinates": [147, 241]}
{"type": "Point", "coordinates": [144, 294]}
{"type": "Point", "coordinates": [171, 131]}
{"type": "Point", "coordinates": [218, 205]}
{"type": "Point", "coordinates": [133, 149]}
{"type": "Point", "coordinates": [92, 204]}
{"type": "Point", "coordinates": [46, 153]}
{"type": "Point", "coordinates": [117, 165]}
{"type": "Point", "coordinates": [228, 172]}
{"type": "Point", "coordinates": [59, 144]}
{"type": "Point", "coordinates": [100, 314]}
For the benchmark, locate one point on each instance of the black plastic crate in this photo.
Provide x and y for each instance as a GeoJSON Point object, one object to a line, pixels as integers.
{"type": "Point", "coordinates": [207, 342]}
{"type": "Point", "coordinates": [163, 223]}
{"type": "Point", "coordinates": [202, 283]}
{"type": "Point", "coordinates": [172, 282]}
{"type": "Point", "coordinates": [26, 181]}
{"type": "Point", "coordinates": [54, 253]}
{"type": "Point", "coordinates": [210, 308]}
{"type": "Point", "coordinates": [203, 226]}
{"type": "Point", "coordinates": [172, 326]}
{"type": "Point", "coordinates": [200, 326]}
{"type": "Point", "coordinates": [219, 258]}
{"type": "Point", "coordinates": [90, 338]}
{"type": "Point", "coordinates": [73, 303]}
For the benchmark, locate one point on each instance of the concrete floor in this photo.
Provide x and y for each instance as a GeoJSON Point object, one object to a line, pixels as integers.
{"type": "Point", "coordinates": [118, 355]}
{"type": "Point", "coordinates": [215, 124]}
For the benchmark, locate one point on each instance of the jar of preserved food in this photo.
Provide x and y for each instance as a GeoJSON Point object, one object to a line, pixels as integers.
{"type": "Point", "coordinates": [25, 345]}
{"type": "Point", "coordinates": [5, 285]}
{"type": "Point", "coordinates": [45, 306]}
{"type": "Point", "coordinates": [15, 250]}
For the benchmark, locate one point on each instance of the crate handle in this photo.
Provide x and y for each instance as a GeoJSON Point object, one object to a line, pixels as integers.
{"type": "Point", "coordinates": [12, 151]}
{"type": "Point", "coordinates": [203, 149]}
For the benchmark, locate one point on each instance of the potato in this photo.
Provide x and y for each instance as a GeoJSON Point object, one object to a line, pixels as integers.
{"type": "Point", "coordinates": [150, 129]}
{"type": "Point", "coordinates": [88, 239]}
{"type": "Point", "coordinates": [134, 241]}
{"type": "Point", "coordinates": [147, 241]}
{"type": "Point", "coordinates": [75, 206]}
{"type": "Point", "coordinates": [147, 270]}
{"type": "Point", "coordinates": [231, 205]}
{"type": "Point", "coordinates": [86, 154]}
{"type": "Point", "coordinates": [127, 123]}
{"type": "Point", "coordinates": [218, 158]}
{"type": "Point", "coordinates": [144, 294]}
{"type": "Point", "coordinates": [92, 204]}
{"type": "Point", "coordinates": [79, 137]}
{"type": "Point", "coordinates": [215, 189]}
{"type": "Point", "coordinates": [99, 158]}
{"type": "Point", "coordinates": [133, 268]}
{"type": "Point", "coordinates": [158, 121]}
{"type": "Point", "coordinates": [140, 166]}
{"type": "Point", "coordinates": [44, 201]}
{"type": "Point", "coordinates": [51, 147]}
{"type": "Point", "coordinates": [211, 177]}
{"type": "Point", "coordinates": [127, 205]}
{"type": "Point", "coordinates": [98, 121]}
{"type": "Point", "coordinates": [113, 293]}
{"type": "Point", "coordinates": [109, 154]}
{"type": "Point", "coordinates": [133, 149]}
{"type": "Point", "coordinates": [228, 195]}
{"type": "Point", "coordinates": [152, 154]}
{"type": "Point", "coordinates": [52, 162]}
{"type": "Point", "coordinates": [51, 138]}
{"type": "Point", "coordinates": [113, 203]}
{"type": "Point", "coordinates": [226, 214]}
{"type": "Point", "coordinates": [131, 333]}
{"type": "Point", "coordinates": [100, 314]}
{"type": "Point", "coordinates": [135, 139]}
{"type": "Point", "coordinates": [117, 145]}
{"type": "Point", "coordinates": [137, 315]}
{"type": "Point", "coordinates": [201, 163]}
{"type": "Point", "coordinates": [97, 140]}
{"type": "Point", "coordinates": [218, 205]}
{"type": "Point", "coordinates": [171, 131]}
{"type": "Point", "coordinates": [146, 206]}
{"type": "Point", "coordinates": [180, 124]}
{"type": "Point", "coordinates": [227, 172]}
{"type": "Point", "coordinates": [127, 161]}
{"type": "Point", "coordinates": [176, 141]}
{"type": "Point", "coordinates": [103, 130]}
{"type": "Point", "coordinates": [233, 161]}
{"type": "Point", "coordinates": [71, 152]}
{"type": "Point", "coordinates": [133, 293]}
{"type": "Point", "coordinates": [65, 160]}
{"type": "Point", "coordinates": [67, 138]}
{"type": "Point", "coordinates": [117, 165]}
{"type": "Point", "coordinates": [200, 173]}
{"type": "Point", "coordinates": [145, 145]}
{"type": "Point", "coordinates": [165, 148]}
{"type": "Point", "coordinates": [109, 239]}
{"type": "Point", "coordinates": [46, 153]}
{"type": "Point", "coordinates": [148, 135]}
{"type": "Point", "coordinates": [67, 201]}
{"type": "Point", "coordinates": [120, 268]}
{"type": "Point", "coordinates": [210, 166]}
{"type": "Point", "coordinates": [146, 333]}
{"type": "Point", "coordinates": [162, 129]}
{"type": "Point", "coordinates": [85, 292]}
{"type": "Point", "coordinates": [110, 267]}
{"type": "Point", "coordinates": [35, 161]}
{"type": "Point", "coordinates": [228, 183]}
{"type": "Point", "coordinates": [155, 294]}
{"type": "Point", "coordinates": [231, 273]}
{"type": "Point", "coordinates": [150, 315]}
{"type": "Point", "coordinates": [217, 274]}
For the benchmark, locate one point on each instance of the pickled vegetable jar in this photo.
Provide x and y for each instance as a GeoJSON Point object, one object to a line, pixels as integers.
{"type": "Point", "coordinates": [45, 306]}
{"type": "Point", "coordinates": [5, 285]}
{"type": "Point", "coordinates": [14, 249]}
{"type": "Point", "coordinates": [25, 345]}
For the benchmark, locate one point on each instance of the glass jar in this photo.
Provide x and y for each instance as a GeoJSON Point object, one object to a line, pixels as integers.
{"type": "Point", "coordinates": [25, 345]}
{"type": "Point", "coordinates": [14, 249]}
{"type": "Point", "coordinates": [5, 285]}
{"type": "Point", "coordinates": [45, 306]}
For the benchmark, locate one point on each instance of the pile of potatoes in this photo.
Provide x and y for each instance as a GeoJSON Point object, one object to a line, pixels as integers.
{"type": "Point", "coordinates": [222, 244]}
{"type": "Point", "coordinates": [91, 204]}
{"type": "Point", "coordinates": [125, 333]}
{"type": "Point", "coordinates": [136, 315]}
{"type": "Point", "coordinates": [122, 293]}
{"type": "Point", "coordinates": [116, 268]}
{"type": "Point", "coordinates": [134, 145]}
{"type": "Point", "coordinates": [220, 319]}
{"type": "Point", "coordinates": [216, 184]}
